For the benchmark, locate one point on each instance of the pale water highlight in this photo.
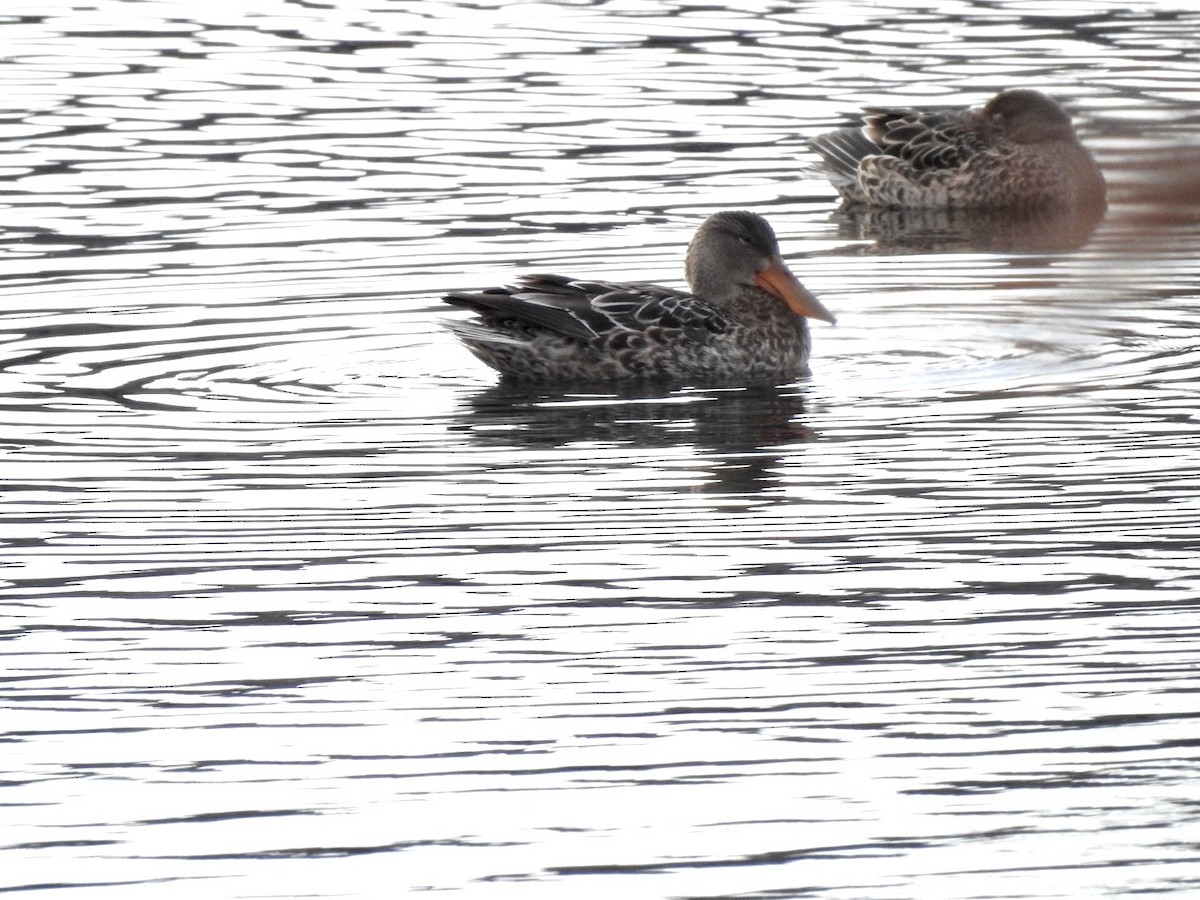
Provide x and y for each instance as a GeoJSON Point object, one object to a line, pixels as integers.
{"type": "Point", "coordinates": [299, 603]}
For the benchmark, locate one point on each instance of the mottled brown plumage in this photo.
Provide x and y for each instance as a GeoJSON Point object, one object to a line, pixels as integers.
{"type": "Point", "coordinates": [743, 322]}
{"type": "Point", "coordinates": [1017, 152]}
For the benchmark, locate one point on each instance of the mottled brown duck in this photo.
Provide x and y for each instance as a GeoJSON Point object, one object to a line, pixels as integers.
{"type": "Point", "coordinates": [743, 322]}
{"type": "Point", "coordinates": [1017, 152]}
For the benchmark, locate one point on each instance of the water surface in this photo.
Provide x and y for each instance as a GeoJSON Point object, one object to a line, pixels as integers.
{"type": "Point", "coordinates": [299, 602]}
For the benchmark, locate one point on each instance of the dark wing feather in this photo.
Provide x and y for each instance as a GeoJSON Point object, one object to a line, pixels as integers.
{"type": "Point", "coordinates": [587, 309]}
{"type": "Point", "coordinates": [639, 307]}
{"type": "Point", "coordinates": [543, 301]}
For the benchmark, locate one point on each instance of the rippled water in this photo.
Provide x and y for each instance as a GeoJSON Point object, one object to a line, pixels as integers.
{"type": "Point", "coordinates": [299, 603]}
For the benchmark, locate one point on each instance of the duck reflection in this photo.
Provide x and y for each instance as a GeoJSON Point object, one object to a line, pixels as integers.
{"type": "Point", "coordinates": [967, 230]}
{"type": "Point", "coordinates": [1158, 188]}
{"type": "Point", "coordinates": [739, 433]}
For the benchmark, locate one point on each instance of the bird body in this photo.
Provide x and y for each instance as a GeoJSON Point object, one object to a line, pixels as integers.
{"type": "Point", "coordinates": [742, 322]}
{"type": "Point", "coordinates": [1017, 152]}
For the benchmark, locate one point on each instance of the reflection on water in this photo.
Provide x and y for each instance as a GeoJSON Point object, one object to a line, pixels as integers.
{"type": "Point", "coordinates": [299, 602]}
{"type": "Point", "coordinates": [741, 432]}
{"type": "Point", "coordinates": [950, 230]}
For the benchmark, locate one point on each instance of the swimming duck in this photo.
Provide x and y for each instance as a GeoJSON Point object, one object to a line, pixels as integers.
{"type": "Point", "coordinates": [744, 321]}
{"type": "Point", "coordinates": [1018, 151]}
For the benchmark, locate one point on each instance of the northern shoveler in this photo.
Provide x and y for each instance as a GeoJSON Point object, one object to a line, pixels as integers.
{"type": "Point", "coordinates": [1018, 151]}
{"type": "Point", "coordinates": [744, 321]}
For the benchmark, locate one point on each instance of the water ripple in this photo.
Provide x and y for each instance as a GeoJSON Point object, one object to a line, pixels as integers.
{"type": "Point", "coordinates": [292, 584]}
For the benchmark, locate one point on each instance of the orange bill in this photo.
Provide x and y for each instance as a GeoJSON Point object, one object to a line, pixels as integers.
{"type": "Point", "coordinates": [778, 279]}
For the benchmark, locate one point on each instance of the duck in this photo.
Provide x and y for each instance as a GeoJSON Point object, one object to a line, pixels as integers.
{"type": "Point", "coordinates": [1017, 152]}
{"type": "Point", "coordinates": [744, 320]}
